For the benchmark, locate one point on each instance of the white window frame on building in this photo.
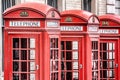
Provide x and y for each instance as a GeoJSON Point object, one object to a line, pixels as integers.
{"type": "Point", "coordinates": [117, 7]}
{"type": "Point", "coordinates": [110, 6]}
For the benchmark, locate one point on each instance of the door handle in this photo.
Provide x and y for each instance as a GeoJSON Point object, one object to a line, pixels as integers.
{"type": "Point", "coordinates": [37, 67]}
{"type": "Point", "coordinates": [116, 65]}
{"type": "Point", "coordinates": [80, 66]}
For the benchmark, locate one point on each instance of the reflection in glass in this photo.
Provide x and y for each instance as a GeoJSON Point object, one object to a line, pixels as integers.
{"type": "Point", "coordinates": [24, 66]}
{"type": "Point", "coordinates": [111, 64]}
{"type": "Point", "coordinates": [111, 55]}
{"type": "Point", "coordinates": [75, 75]}
{"type": "Point", "coordinates": [55, 54]}
{"type": "Point", "coordinates": [32, 54]}
{"type": "Point", "coordinates": [62, 65]}
{"type": "Point", "coordinates": [32, 43]}
{"type": "Point", "coordinates": [16, 66]}
{"type": "Point", "coordinates": [62, 45]}
{"type": "Point", "coordinates": [75, 54]}
{"type": "Point", "coordinates": [23, 42]}
{"type": "Point", "coordinates": [68, 55]}
{"type": "Point", "coordinates": [75, 65]}
{"type": "Point", "coordinates": [62, 55]}
{"type": "Point", "coordinates": [69, 65]}
{"type": "Point", "coordinates": [32, 76]}
{"type": "Point", "coordinates": [15, 76]}
{"type": "Point", "coordinates": [15, 42]}
{"type": "Point", "coordinates": [15, 54]}
{"type": "Point", "coordinates": [23, 76]}
{"type": "Point", "coordinates": [63, 76]}
{"type": "Point", "coordinates": [75, 45]}
{"type": "Point", "coordinates": [68, 45]}
{"type": "Point", "coordinates": [69, 75]}
{"type": "Point", "coordinates": [32, 66]}
{"type": "Point", "coordinates": [23, 54]}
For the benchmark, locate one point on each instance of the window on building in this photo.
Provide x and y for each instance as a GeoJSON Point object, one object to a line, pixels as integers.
{"type": "Point", "coordinates": [7, 3]}
{"type": "Point", "coordinates": [86, 5]}
{"type": "Point", "coordinates": [53, 3]}
{"type": "Point", "coordinates": [110, 6]}
{"type": "Point", "coordinates": [117, 7]}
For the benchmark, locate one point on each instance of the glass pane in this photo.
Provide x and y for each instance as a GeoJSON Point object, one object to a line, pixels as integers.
{"type": "Point", "coordinates": [69, 75]}
{"type": "Point", "coordinates": [32, 43]}
{"type": "Point", "coordinates": [104, 64]}
{"type": "Point", "coordinates": [32, 54]}
{"type": "Point", "coordinates": [75, 65]}
{"type": "Point", "coordinates": [95, 65]}
{"type": "Point", "coordinates": [63, 76]}
{"type": "Point", "coordinates": [55, 65]}
{"type": "Point", "coordinates": [15, 66]}
{"type": "Point", "coordinates": [23, 54]}
{"type": "Point", "coordinates": [111, 64]}
{"type": "Point", "coordinates": [32, 76]}
{"type": "Point", "coordinates": [32, 66]}
{"type": "Point", "coordinates": [105, 56]}
{"type": "Point", "coordinates": [104, 46]}
{"type": "Point", "coordinates": [62, 65]}
{"type": "Point", "coordinates": [62, 55]}
{"type": "Point", "coordinates": [55, 54]}
{"type": "Point", "coordinates": [15, 42]}
{"type": "Point", "coordinates": [95, 74]}
{"type": "Point", "coordinates": [15, 76]}
{"type": "Point", "coordinates": [110, 55]}
{"type": "Point", "coordinates": [110, 46]}
{"type": "Point", "coordinates": [68, 55]}
{"type": "Point", "coordinates": [24, 66]}
{"type": "Point", "coordinates": [23, 76]}
{"type": "Point", "coordinates": [62, 45]}
{"type": "Point", "coordinates": [75, 75]}
{"type": "Point", "coordinates": [69, 65]}
{"type": "Point", "coordinates": [23, 42]}
{"type": "Point", "coordinates": [68, 45]}
{"type": "Point", "coordinates": [15, 54]}
{"type": "Point", "coordinates": [75, 45]}
{"type": "Point", "coordinates": [95, 55]}
{"type": "Point", "coordinates": [75, 55]}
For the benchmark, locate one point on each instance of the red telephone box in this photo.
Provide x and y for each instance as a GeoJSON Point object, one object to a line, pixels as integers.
{"type": "Point", "coordinates": [79, 45]}
{"type": "Point", "coordinates": [31, 42]}
{"type": "Point", "coordinates": [109, 47]}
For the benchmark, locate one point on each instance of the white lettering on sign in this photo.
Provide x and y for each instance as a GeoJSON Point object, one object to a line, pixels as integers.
{"type": "Point", "coordinates": [92, 28]}
{"type": "Point", "coordinates": [52, 24]}
{"type": "Point", "coordinates": [71, 28]}
{"type": "Point", "coordinates": [25, 23]}
{"type": "Point", "coordinates": [109, 31]}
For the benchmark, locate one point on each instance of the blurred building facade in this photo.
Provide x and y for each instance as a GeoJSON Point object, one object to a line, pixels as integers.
{"type": "Point", "coordinates": [98, 7]}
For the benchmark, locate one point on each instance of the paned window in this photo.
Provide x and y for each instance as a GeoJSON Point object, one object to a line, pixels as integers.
{"type": "Point", "coordinates": [53, 3]}
{"type": "Point", "coordinates": [95, 58]}
{"type": "Point", "coordinates": [117, 7]}
{"type": "Point", "coordinates": [107, 61]}
{"type": "Point", "coordinates": [23, 59]}
{"type": "Point", "coordinates": [86, 5]}
{"type": "Point", "coordinates": [54, 62]}
{"type": "Point", "coordinates": [7, 3]}
{"type": "Point", "coordinates": [69, 60]}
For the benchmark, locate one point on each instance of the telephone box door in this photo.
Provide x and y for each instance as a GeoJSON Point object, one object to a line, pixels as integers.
{"type": "Point", "coordinates": [108, 60]}
{"type": "Point", "coordinates": [71, 59]}
{"type": "Point", "coordinates": [23, 57]}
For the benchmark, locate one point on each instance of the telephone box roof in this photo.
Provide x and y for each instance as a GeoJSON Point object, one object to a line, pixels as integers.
{"type": "Point", "coordinates": [80, 13]}
{"type": "Point", "coordinates": [38, 7]}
